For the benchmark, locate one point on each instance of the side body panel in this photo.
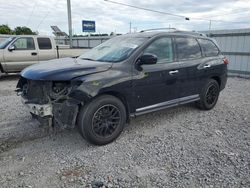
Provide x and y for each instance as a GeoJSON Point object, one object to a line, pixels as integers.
{"type": "Point", "coordinates": [155, 85]}
{"type": "Point", "coordinates": [194, 74]}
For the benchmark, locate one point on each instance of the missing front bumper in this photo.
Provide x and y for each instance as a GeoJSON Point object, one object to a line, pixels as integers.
{"type": "Point", "coordinates": [61, 114]}
{"type": "Point", "coordinates": [40, 110]}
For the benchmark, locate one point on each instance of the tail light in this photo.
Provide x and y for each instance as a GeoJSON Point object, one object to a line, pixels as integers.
{"type": "Point", "coordinates": [225, 61]}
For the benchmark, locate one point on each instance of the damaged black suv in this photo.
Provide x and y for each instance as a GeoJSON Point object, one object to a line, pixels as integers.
{"type": "Point", "coordinates": [124, 77]}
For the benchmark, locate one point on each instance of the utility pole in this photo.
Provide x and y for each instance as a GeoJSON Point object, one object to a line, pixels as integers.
{"type": "Point", "coordinates": [69, 23]}
{"type": "Point", "coordinates": [210, 24]}
{"type": "Point", "coordinates": [130, 27]}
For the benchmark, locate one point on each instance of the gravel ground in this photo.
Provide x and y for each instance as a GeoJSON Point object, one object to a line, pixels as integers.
{"type": "Point", "coordinates": [179, 147]}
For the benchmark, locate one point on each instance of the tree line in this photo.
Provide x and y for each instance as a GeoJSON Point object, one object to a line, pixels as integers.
{"type": "Point", "coordinates": [23, 30]}
{"type": "Point", "coordinates": [20, 30]}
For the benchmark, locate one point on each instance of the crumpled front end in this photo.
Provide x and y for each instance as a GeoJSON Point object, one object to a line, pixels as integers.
{"type": "Point", "coordinates": [50, 101]}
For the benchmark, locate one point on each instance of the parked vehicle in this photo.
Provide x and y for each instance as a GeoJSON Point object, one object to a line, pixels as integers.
{"type": "Point", "coordinates": [18, 52]}
{"type": "Point", "coordinates": [124, 77]}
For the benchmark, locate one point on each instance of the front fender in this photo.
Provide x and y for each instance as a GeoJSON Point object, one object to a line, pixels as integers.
{"type": "Point", "coordinates": [90, 86]}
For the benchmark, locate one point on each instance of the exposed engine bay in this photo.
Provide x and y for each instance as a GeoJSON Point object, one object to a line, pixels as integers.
{"type": "Point", "coordinates": [49, 101]}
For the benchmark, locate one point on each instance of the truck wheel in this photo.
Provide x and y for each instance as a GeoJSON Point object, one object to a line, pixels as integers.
{"type": "Point", "coordinates": [102, 120]}
{"type": "Point", "coordinates": [209, 95]}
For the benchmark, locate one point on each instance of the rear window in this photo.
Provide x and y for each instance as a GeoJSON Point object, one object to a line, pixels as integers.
{"type": "Point", "coordinates": [208, 47]}
{"type": "Point", "coordinates": [44, 43]}
{"type": "Point", "coordinates": [188, 48]}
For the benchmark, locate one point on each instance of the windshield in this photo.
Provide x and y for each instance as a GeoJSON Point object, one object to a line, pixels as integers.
{"type": "Point", "coordinates": [114, 50]}
{"type": "Point", "coordinates": [6, 42]}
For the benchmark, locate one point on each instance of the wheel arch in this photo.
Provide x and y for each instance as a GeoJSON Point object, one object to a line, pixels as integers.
{"type": "Point", "coordinates": [122, 98]}
{"type": "Point", "coordinates": [218, 79]}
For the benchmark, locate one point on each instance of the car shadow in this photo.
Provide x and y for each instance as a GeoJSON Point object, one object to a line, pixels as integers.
{"type": "Point", "coordinates": [146, 121]}
{"type": "Point", "coordinates": [73, 138]}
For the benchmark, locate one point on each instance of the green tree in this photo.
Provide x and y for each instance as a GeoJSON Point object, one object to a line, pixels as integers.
{"type": "Point", "coordinates": [5, 29]}
{"type": "Point", "coordinates": [24, 31]}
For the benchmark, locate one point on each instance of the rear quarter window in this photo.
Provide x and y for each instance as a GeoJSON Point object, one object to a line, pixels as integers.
{"type": "Point", "coordinates": [44, 43]}
{"type": "Point", "coordinates": [187, 48]}
{"type": "Point", "coordinates": [208, 47]}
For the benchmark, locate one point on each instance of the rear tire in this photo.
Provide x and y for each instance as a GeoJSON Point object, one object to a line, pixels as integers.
{"type": "Point", "coordinates": [102, 120]}
{"type": "Point", "coordinates": [209, 95]}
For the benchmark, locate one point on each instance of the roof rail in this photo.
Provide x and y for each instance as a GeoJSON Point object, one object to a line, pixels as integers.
{"type": "Point", "coordinates": [197, 33]}
{"type": "Point", "coordinates": [157, 29]}
{"type": "Point", "coordinates": [176, 30]}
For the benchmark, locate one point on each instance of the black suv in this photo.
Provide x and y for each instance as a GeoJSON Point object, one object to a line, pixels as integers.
{"type": "Point", "coordinates": [124, 77]}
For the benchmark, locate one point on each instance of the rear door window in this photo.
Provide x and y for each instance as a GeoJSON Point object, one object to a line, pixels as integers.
{"type": "Point", "coordinates": [208, 47]}
{"type": "Point", "coordinates": [44, 43]}
{"type": "Point", "coordinates": [187, 48]}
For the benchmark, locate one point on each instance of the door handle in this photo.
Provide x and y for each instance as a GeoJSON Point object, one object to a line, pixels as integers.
{"type": "Point", "coordinates": [173, 72]}
{"type": "Point", "coordinates": [33, 53]}
{"type": "Point", "coordinates": [207, 66]}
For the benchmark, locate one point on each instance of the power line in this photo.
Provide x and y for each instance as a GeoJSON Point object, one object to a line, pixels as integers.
{"type": "Point", "coordinates": [42, 20]}
{"type": "Point", "coordinates": [147, 9]}
{"type": "Point", "coordinates": [48, 12]}
{"type": "Point", "coordinates": [31, 14]}
{"type": "Point", "coordinates": [171, 14]}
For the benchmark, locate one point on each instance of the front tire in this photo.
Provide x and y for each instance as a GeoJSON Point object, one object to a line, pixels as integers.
{"type": "Point", "coordinates": [102, 120]}
{"type": "Point", "coordinates": [209, 95]}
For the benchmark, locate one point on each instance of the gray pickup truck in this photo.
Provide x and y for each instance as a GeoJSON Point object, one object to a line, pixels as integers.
{"type": "Point", "coordinates": [18, 52]}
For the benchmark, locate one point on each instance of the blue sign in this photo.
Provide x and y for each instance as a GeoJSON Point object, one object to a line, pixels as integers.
{"type": "Point", "coordinates": [88, 26]}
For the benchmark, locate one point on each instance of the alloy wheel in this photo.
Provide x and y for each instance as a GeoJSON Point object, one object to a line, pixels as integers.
{"type": "Point", "coordinates": [211, 94]}
{"type": "Point", "coordinates": [106, 120]}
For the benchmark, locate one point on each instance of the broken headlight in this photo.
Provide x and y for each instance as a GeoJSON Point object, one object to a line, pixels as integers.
{"type": "Point", "coordinates": [59, 89]}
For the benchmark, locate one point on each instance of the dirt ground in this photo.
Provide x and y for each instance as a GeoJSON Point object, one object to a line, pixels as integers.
{"type": "Point", "coordinates": [178, 147]}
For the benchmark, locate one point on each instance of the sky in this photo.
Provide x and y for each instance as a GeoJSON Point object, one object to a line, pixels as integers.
{"type": "Point", "coordinates": [39, 15]}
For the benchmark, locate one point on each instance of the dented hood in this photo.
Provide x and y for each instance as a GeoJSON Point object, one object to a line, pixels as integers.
{"type": "Point", "coordinates": [64, 69]}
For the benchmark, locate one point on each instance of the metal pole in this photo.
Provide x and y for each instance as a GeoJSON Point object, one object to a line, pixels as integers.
{"type": "Point", "coordinates": [69, 22]}
{"type": "Point", "coordinates": [210, 23]}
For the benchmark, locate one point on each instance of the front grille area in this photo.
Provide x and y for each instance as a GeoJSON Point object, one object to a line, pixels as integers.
{"type": "Point", "coordinates": [34, 91]}
{"type": "Point", "coordinates": [49, 101]}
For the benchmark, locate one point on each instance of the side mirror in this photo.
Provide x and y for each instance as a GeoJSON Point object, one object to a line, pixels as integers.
{"type": "Point", "coordinates": [11, 48]}
{"type": "Point", "coordinates": [146, 59]}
